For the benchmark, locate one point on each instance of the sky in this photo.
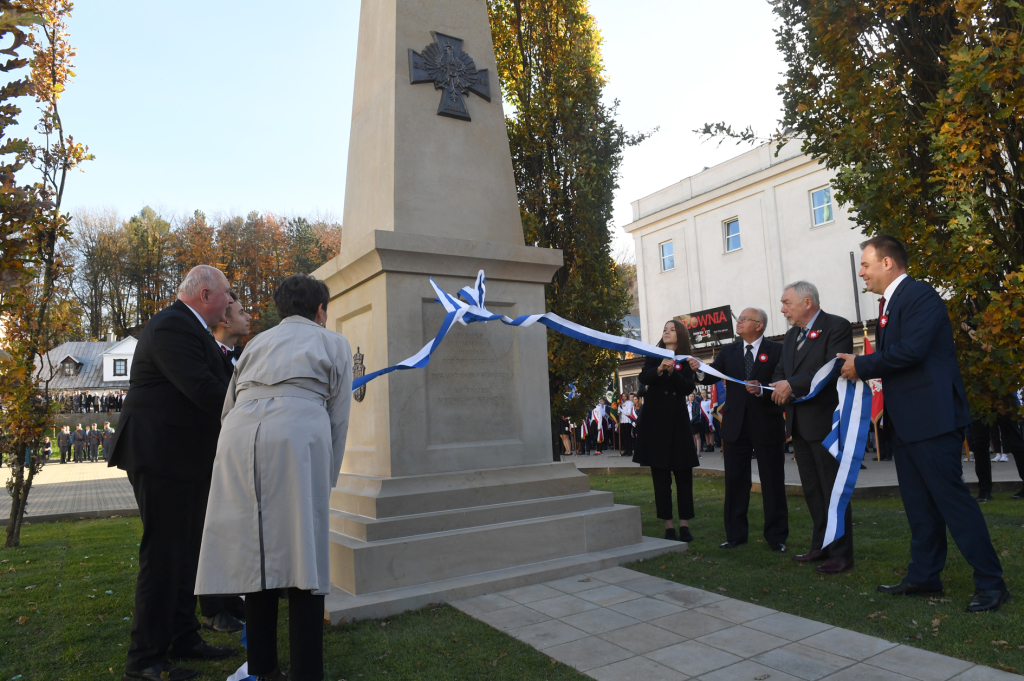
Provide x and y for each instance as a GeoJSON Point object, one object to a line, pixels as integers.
{"type": "Point", "coordinates": [234, 106]}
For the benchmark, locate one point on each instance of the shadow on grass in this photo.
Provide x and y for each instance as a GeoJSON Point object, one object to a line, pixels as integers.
{"type": "Point", "coordinates": [66, 599]}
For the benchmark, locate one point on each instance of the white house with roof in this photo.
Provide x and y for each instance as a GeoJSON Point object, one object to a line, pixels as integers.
{"type": "Point", "coordinates": [94, 366]}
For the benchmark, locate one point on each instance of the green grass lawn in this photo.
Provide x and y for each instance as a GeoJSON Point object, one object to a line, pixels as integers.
{"type": "Point", "coordinates": [882, 551]}
{"type": "Point", "coordinates": [67, 593]}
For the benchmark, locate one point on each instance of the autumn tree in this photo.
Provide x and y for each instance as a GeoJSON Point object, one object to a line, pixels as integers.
{"type": "Point", "coordinates": [566, 150]}
{"type": "Point", "coordinates": [916, 106]}
{"type": "Point", "coordinates": [91, 267]}
{"type": "Point", "coordinates": [36, 309]}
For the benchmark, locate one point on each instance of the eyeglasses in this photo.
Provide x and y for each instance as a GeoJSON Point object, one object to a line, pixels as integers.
{"type": "Point", "coordinates": [748, 319]}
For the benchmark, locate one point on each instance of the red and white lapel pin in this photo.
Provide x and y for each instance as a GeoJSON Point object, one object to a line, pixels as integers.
{"type": "Point", "coordinates": [763, 357]}
{"type": "Point", "coordinates": [883, 321]}
{"type": "Point", "coordinates": [813, 334]}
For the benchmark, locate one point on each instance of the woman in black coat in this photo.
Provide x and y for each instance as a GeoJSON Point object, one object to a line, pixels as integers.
{"type": "Point", "coordinates": [665, 439]}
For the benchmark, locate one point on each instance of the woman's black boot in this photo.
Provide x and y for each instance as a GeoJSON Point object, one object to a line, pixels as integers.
{"type": "Point", "coordinates": [670, 533]}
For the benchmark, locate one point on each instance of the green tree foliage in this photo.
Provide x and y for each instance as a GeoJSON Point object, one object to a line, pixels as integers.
{"type": "Point", "coordinates": [917, 107]}
{"type": "Point", "coordinates": [566, 149]}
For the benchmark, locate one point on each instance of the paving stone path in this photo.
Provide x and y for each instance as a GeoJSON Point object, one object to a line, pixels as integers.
{"type": "Point", "coordinates": [623, 625]}
{"type": "Point", "coordinates": [74, 490]}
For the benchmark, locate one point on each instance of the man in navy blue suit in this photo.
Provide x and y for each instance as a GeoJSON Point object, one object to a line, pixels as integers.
{"type": "Point", "coordinates": [752, 424]}
{"type": "Point", "coordinates": [926, 415]}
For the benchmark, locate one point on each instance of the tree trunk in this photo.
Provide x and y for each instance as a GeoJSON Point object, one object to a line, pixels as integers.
{"type": "Point", "coordinates": [19, 497]}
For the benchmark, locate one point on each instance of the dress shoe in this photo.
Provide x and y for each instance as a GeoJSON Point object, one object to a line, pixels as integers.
{"type": "Point", "coordinates": [164, 671]}
{"type": "Point", "coordinates": [222, 621]}
{"type": "Point", "coordinates": [670, 533]}
{"type": "Point", "coordinates": [277, 675]}
{"type": "Point", "coordinates": [907, 589]}
{"type": "Point", "coordinates": [684, 535]}
{"type": "Point", "coordinates": [833, 566]}
{"type": "Point", "coordinates": [811, 556]}
{"type": "Point", "coordinates": [982, 498]}
{"type": "Point", "coordinates": [730, 544]}
{"type": "Point", "coordinates": [203, 651]}
{"type": "Point", "coordinates": [988, 599]}
{"type": "Point", "coordinates": [780, 547]}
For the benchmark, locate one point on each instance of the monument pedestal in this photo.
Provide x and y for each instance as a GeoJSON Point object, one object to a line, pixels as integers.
{"type": "Point", "coordinates": [447, 489]}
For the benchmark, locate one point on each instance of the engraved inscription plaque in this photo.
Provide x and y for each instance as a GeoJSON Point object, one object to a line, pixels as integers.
{"type": "Point", "coordinates": [471, 385]}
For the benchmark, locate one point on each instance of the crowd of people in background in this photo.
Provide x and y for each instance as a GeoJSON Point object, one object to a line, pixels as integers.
{"type": "Point", "coordinates": [86, 402]}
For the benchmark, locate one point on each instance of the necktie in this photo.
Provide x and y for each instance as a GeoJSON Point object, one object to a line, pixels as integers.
{"type": "Point", "coordinates": [748, 362]}
{"type": "Point", "coordinates": [881, 307]}
{"type": "Point", "coordinates": [801, 338]}
{"type": "Point", "coordinates": [225, 350]}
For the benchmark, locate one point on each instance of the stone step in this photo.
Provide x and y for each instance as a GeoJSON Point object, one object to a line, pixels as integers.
{"type": "Point", "coordinates": [379, 497]}
{"type": "Point", "coordinates": [341, 607]}
{"type": "Point", "coordinates": [361, 567]}
{"type": "Point", "coordinates": [374, 529]}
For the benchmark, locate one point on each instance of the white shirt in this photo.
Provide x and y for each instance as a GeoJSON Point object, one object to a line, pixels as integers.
{"type": "Point", "coordinates": [890, 290]}
{"type": "Point", "coordinates": [625, 411]}
{"type": "Point", "coordinates": [225, 349]}
{"type": "Point", "coordinates": [756, 344]}
{"type": "Point", "coordinates": [198, 316]}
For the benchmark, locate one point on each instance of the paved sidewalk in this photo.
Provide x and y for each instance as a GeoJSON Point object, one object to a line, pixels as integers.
{"type": "Point", "coordinates": [74, 490]}
{"type": "Point", "coordinates": [623, 625]}
{"type": "Point", "coordinates": [879, 478]}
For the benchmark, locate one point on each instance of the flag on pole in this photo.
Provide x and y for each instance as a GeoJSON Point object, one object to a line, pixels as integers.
{"type": "Point", "coordinates": [876, 386]}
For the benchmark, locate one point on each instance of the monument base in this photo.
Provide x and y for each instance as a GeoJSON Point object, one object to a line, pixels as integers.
{"type": "Point", "coordinates": [341, 607]}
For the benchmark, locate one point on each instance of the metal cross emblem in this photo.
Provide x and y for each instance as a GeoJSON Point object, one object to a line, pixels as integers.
{"type": "Point", "coordinates": [358, 370]}
{"type": "Point", "coordinates": [444, 64]}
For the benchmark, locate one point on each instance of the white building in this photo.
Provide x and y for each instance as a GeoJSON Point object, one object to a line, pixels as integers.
{"type": "Point", "coordinates": [737, 233]}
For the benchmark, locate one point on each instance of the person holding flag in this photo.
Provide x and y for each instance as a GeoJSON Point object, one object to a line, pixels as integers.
{"type": "Point", "coordinates": [926, 416]}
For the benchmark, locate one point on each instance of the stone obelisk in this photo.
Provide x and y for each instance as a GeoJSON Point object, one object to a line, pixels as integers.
{"type": "Point", "coordinates": [448, 488]}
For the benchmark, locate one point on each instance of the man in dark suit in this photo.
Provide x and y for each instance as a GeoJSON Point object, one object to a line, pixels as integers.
{"type": "Point", "coordinates": [814, 339]}
{"type": "Point", "coordinates": [926, 414]}
{"type": "Point", "coordinates": [166, 440]}
{"type": "Point", "coordinates": [752, 424]}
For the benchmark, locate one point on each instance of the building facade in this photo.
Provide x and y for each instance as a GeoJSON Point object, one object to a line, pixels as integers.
{"type": "Point", "coordinates": [738, 233]}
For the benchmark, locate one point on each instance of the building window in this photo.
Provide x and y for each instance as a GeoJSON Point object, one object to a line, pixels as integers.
{"type": "Point", "coordinates": [668, 259]}
{"type": "Point", "coordinates": [69, 368]}
{"type": "Point", "coordinates": [120, 367]}
{"type": "Point", "coordinates": [732, 236]}
{"type": "Point", "coordinates": [821, 204]}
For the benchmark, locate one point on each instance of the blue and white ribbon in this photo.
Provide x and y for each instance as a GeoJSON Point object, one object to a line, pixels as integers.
{"type": "Point", "coordinates": [850, 425]}
{"type": "Point", "coordinates": [850, 422]}
{"type": "Point", "coordinates": [473, 309]}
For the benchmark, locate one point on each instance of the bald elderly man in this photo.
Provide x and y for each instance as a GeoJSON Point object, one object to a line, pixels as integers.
{"type": "Point", "coordinates": [166, 440]}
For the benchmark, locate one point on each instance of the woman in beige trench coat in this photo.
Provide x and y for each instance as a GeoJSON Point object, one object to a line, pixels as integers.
{"type": "Point", "coordinates": [281, 443]}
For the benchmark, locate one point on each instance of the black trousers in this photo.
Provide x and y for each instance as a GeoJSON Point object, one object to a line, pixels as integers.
{"type": "Point", "coordinates": [211, 606]}
{"type": "Point", "coordinates": [1012, 442]}
{"type": "Point", "coordinates": [78, 453]}
{"type": "Point", "coordinates": [626, 436]}
{"type": "Point", "coordinates": [935, 497]}
{"type": "Point", "coordinates": [818, 471]}
{"type": "Point", "coordinates": [172, 515]}
{"type": "Point", "coordinates": [663, 492]}
{"type": "Point", "coordinates": [305, 633]}
{"type": "Point", "coordinates": [771, 468]}
{"type": "Point", "coordinates": [65, 453]}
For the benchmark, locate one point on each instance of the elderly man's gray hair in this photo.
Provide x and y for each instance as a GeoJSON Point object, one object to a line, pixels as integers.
{"type": "Point", "coordinates": [805, 289]}
{"type": "Point", "coordinates": [198, 278]}
{"type": "Point", "coordinates": [762, 316]}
